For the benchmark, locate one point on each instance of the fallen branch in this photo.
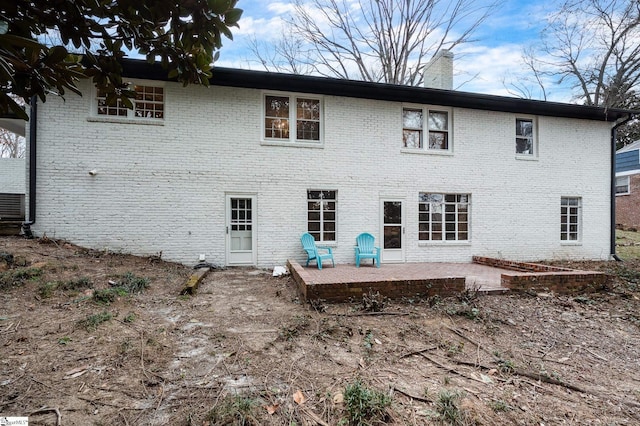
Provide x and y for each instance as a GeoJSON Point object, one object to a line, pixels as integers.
{"type": "Point", "coordinates": [518, 372]}
{"type": "Point", "coordinates": [126, 423]}
{"type": "Point", "coordinates": [89, 400]}
{"type": "Point", "coordinates": [468, 339]}
{"type": "Point", "coordinates": [418, 352]}
{"type": "Point", "coordinates": [595, 354]}
{"type": "Point", "coordinates": [363, 314]}
{"type": "Point", "coordinates": [45, 410]}
{"type": "Point", "coordinates": [313, 416]}
{"type": "Point", "coordinates": [549, 360]}
{"type": "Point", "coordinates": [450, 369]}
{"type": "Point", "coordinates": [408, 395]}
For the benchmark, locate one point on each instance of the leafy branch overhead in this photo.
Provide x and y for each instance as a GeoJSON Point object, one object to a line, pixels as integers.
{"type": "Point", "coordinates": [47, 46]}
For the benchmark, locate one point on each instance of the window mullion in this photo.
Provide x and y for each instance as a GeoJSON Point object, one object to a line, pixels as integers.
{"type": "Point", "coordinates": [321, 217]}
{"type": "Point", "coordinates": [293, 132]}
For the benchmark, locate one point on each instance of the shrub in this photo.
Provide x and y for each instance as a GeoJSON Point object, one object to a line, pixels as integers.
{"type": "Point", "coordinates": [365, 406]}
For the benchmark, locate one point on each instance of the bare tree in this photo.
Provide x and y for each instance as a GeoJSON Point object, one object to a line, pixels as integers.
{"type": "Point", "coordinates": [11, 145]}
{"type": "Point", "coordinates": [594, 47]}
{"type": "Point", "coordinates": [373, 40]}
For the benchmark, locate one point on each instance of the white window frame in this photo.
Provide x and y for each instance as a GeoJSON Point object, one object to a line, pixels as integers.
{"type": "Point", "coordinates": [565, 220]}
{"type": "Point", "coordinates": [425, 130]}
{"type": "Point", "coordinates": [322, 211]}
{"type": "Point", "coordinates": [292, 140]}
{"type": "Point", "coordinates": [425, 211]}
{"type": "Point", "coordinates": [131, 117]}
{"type": "Point", "coordinates": [534, 137]}
{"type": "Point", "coordinates": [627, 178]}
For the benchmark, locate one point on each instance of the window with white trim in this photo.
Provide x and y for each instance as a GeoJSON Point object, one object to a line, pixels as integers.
{"type": "Point", "coordinates": [432, 122]}
{"type": "Point", "coordinates": [526, 137]}
{"type": "Point", "coordinates": [443, 217]}
{"type": "Point", "coordinates": [147, 104]}
{"type": "Point", "coordinates": [622, 185]}
{"type": "Point", "coordinates": [321, 214]}
{"type": "Point", "coordinates": [281, 112]}
{"type": "Point", "coordinates": [570, 219]}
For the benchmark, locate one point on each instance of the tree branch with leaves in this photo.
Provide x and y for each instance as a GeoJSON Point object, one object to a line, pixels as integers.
{"type": "Point", "coordinates": [184, 36]}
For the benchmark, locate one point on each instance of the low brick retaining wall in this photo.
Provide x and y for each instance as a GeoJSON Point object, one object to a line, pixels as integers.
{"type": "Point", "coordinates": [517, 266]}
{"type": "Point", "coordinates": [393, 289]}
{"type": "Point", "coordinates": [535, 277]}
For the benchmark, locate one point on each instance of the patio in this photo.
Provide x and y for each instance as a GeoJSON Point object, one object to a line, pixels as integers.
{"type": "Point", "coordinates": [485, 275]}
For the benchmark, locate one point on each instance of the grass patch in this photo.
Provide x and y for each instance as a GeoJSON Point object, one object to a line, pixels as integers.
{"type": "Point", "coordinates": [448, 409]}
{"type": "Point", "coordinates": [128, 284]}
{"type": "Point", "coordinates": [500, 406]}
{"type": "Point", "coordinates": [46, 290]}
{"type": "Point", "coordinates": [18, 277]}
{"type": "Point", "coordinates": [132, 283]}
{"type": "Point", "coordinates": [79, 284]}
{"type": "Point", "coordinates": [108, 295]}
{"type": "Point", "coordinates": [234, 410]}
{"type": "Point", "coordinates": [64, 340]}
{"type": "Point", "coordinates": [628, 244]}
{"type": "Point", "coordinates": [92, 322]}
{"type": "Point", "coordinates": [464, 309]}
{"type": "Point", "coordinates": [365, 406]}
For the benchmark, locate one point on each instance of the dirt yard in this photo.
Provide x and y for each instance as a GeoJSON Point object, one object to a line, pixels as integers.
{"type": "Point", "coordinates": [95, 338]}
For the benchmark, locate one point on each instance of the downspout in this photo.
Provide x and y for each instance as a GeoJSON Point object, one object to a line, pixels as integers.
{"type": "Point", "coordinates": [614, 130]}
{"type": "Point", "coordinates": [33, 137]}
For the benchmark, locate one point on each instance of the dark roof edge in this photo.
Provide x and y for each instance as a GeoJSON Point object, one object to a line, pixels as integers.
{"type": "Point", "coordinates": [230, 77]}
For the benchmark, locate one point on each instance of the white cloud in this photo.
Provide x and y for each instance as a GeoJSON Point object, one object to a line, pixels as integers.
{"type": "Point", "coordinates": [280, 8]}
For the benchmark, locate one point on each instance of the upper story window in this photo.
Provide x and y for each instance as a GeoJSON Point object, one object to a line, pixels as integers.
{"type": "Point", "coordinates": [525, 137]}
{"type": "Point", "coordinates": [291, 118]}
{"type": "Point", "coordinates": [622, 185]}
{"type": "Point", "coordinates": [147, 104]}
{"type": "Point", "coordinates": [427, 129]}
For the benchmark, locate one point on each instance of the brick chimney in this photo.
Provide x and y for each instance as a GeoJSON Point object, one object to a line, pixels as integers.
{"type": "Point", "coordinates": [438, 73]}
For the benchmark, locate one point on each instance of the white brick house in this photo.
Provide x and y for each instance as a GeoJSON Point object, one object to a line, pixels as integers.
{"type": "Point", "coordinates": [435, 175]}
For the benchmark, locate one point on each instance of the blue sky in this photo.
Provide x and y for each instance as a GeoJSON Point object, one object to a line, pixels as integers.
{"type": "Point", "coordinates": [485, 66]}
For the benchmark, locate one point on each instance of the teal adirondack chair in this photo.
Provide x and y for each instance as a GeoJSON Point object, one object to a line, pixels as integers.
{"type": "Point", "coordinates": [365, 249]}
{"type": "Point", "coordinates": [309, 245]}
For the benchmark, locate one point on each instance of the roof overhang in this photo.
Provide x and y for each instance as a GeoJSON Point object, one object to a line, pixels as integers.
{"type": "Point", "coordinates": [14, 125]}
{"type": "Point", "coordinates": [230, 77]}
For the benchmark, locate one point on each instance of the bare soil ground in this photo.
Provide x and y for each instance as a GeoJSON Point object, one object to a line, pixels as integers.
{"type": "Point", "coordinates": [79, 345]}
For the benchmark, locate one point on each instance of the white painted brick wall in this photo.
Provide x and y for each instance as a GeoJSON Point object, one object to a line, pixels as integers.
{"type": "Point", "coordinates": [12, 175]}
{"type": "Point", "coordinates": [162, 188]}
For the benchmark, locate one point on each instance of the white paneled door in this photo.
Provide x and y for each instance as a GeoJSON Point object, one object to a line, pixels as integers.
{"type": "Point", "coordinates": [241, 230]}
